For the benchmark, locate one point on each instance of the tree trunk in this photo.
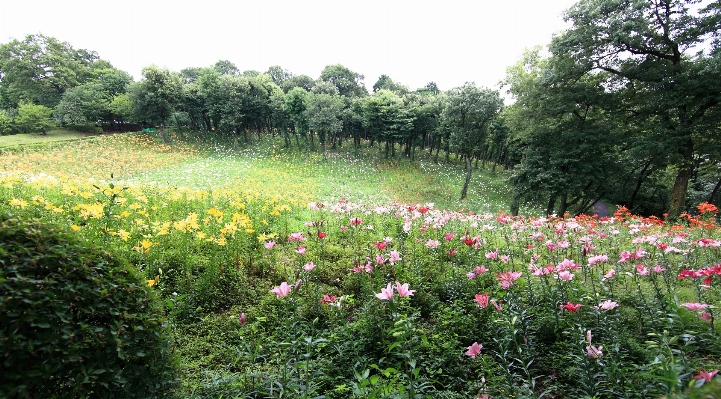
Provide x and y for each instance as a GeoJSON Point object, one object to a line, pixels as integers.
{"type": "Point", "coordinates": [639, 182]}
{"type": "Point", "coordinates": [712, 197]}
{"type": "Point", "coordinates": [551, 204]}
{"type": "Point", "coordinates": [469, 170]}
{"type": "Point", "coordinates": [516, 205]}
{"type": "Point", "coordinates": [678, 193]}
{"type": "Point", "coordinates": [564, 206]}
{"type": "Point", "coordinates": [162, 133]}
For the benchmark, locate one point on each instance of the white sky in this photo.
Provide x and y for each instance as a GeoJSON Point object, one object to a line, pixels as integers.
{"type": "Point", "coordinates": [413, 42]}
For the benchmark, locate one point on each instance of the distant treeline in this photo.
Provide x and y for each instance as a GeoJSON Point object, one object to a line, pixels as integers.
{"type": "Point", "coordinates": [624, 108]}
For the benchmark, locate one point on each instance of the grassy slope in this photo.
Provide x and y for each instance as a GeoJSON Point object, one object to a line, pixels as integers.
{"type": "Point", "coordinates": [25, 139]}
{"type": "Point", "coordinates": [340, 174]}
{"type": "Point", "coordinates": [366, 177]}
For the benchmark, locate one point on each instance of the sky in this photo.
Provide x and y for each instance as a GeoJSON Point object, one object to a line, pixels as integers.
{"type": "Point", "coordinates": [413, 42]}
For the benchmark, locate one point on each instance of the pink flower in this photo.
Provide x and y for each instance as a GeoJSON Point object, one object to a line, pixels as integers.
{"type": "Point", "coordinates": [659, 269]}
{"type": "Point", "coordinates": [482, 300]}
{"type": "Point", "coordinates": [695, 306]}
{"type": "Point", "coordinates": [567, 264]}
{"type": "Point", "coordinates": [594, 352]}
{"type": "Point", "coordinates": [308, 266]}
{"type": "Point", "coordinates": [706, 316]}
{"type": "Point", "coordinates": [403, 290]}
{"type": "Point", "coordinates": [394, 257]}
{"type": "Point", "coordinates": [608, 275]}
{"type": "Point", "coordinates": [571, 307]}
{"type": "Point", "coordinates": [282, 290]}
{"type": "Point", "coordinates": [492, 255]}
{"type": "Point", "coordinates": [355, 221]}
{"type": "Point", "coordinates": [474, 350]}
{"type": "Point", "coordinates": [471, 275]}
{"type": "Point", "coordinates": [432, 244]}
{"type": "Point", "coordinates": [642, 270]}
{"type": "Point", "coordinates": [380, 259]}
{"type": "Point", "coordinates": [380, 245]}
{"type": "Point", "coordinates": [565, 275]}
{"type": "Point", "coordinates": [296, 237]}
{"type": "Point", "coordinates": [705, 375]}
{"type": "Point", "coordinates": [242, 319]}
{"type": "Point", "coordinates": [449, 236]}
{"type": "Point", "coordinates": [496, 305]}
{"type": "Point", "coordinates": [269, 244]}
{"type": "Point", "coordinates": [598, 258]}
{"type": "Point", "coordinates": [327, 300]}
{"type": "Point", "coordinates": [300, 250]}
{"type": "Point", "coordinates": [480, 270]}
{"type": "Point", "coordinates": [505, 258]}
{"type": "Point", "coordinates": [386, 294]}
{"type": "Point", "coordinates": [608, 305]}
{"type": "Point", "coordinates": [506, 279]}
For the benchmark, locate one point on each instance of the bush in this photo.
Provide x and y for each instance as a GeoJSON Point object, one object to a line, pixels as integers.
{"type": "Point", "coordinates": [74, 321]}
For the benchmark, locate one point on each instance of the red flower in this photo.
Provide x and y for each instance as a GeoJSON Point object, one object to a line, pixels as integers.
{"type": "Point", "coordinates": [571, 307]}
{"type": "Point", "coordinates": [321, 234]}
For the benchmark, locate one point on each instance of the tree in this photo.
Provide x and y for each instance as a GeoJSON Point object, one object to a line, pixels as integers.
{"type": "Point", "coordinates": [387, 119]}
{"type": "Point", "coordinates": [468, 115]}
{"type": "Point", "coordinates": [279, 75]}
{"type": "Point", "coordinates": [34, 118]}
{"type": "Point", "coordinates": [296, 103]}
{"type": "Point", "coordinates": [82, 104]}
{"type": "Point", "coordinates": [40, 69]}
{"type": "Point", "coordinates": [324, 115]}
{"type": "Point", "coordinates": [156, 95]}
{"type": "Point", "coordinates": [349, 83]}
{"type": "Point", "coordinates": [6, 123]}
{"type": "Point", "coordinates": [565, 137]}
{"type": "Point", "coordinates": [384, 82]}
{"type": "Point", "coordinates": [225, 67]}
{"type": "Point", "coordinates": [646, 50]}
{"type": "Point", "coordinates": [305, 82]}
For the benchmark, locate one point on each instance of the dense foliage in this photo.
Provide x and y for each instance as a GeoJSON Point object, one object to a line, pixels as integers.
{"type": "Point", "coordinates": [76, 322]}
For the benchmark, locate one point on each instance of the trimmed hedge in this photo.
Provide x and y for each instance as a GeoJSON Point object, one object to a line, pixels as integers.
{"type": "Point", "coordinates": [76, 322]}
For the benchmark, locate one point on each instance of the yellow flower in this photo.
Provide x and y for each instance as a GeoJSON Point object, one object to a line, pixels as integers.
{"type": "Point", "coordinates": [75, 227]}
{"type": "Point", "coordinates": [144, 246]}
{"type": "Point", "coordinates": [94, 211]}
{"type": "Point", "coordinates": [18, 203]}
{"type": "Point", "coordinates": [153, 281]}
{"type": "Point", "coordinates": [200, 235]}
{"type": "Point", "coordinates": [124, 235]}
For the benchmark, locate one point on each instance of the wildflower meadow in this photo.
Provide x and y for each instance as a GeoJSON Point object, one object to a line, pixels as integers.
{"type": "Point", "coordinates": [307, 276]}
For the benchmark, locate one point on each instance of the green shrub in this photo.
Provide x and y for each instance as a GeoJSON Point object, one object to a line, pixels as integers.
{"type": "Point", "coordinates": [74, 321]}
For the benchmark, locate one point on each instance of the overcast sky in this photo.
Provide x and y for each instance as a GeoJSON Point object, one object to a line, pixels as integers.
{"type": "Point", "coordinates": [413, 42]}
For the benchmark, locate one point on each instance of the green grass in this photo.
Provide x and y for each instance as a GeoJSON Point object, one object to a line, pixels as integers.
{"type": "Point", "coordinates": [365, 177]}
{"type": "Point", "coordinates": [35, 139]}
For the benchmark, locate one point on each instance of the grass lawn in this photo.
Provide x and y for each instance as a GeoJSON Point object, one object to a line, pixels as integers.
{"type": "Point", "coordinates": [33, 139]}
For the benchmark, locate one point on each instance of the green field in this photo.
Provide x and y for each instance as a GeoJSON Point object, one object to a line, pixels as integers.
{"type": "Point", "coordinates": [37, 139]}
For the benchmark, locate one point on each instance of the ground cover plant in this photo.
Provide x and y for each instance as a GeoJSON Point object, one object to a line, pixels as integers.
{"type": "Point", "coordinates": [301, 275]}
